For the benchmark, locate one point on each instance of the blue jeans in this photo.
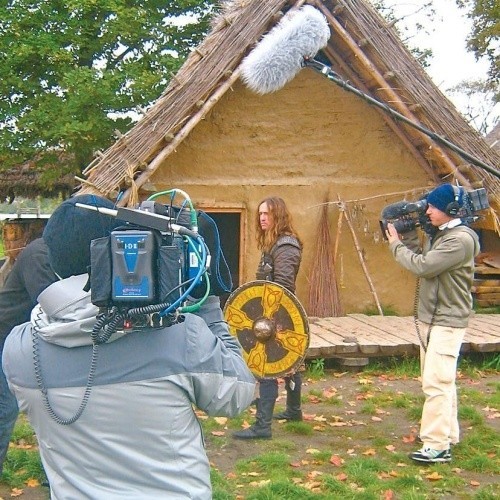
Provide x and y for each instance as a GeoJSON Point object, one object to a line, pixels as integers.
{"type": "Point", "coordinates": [8, 415]}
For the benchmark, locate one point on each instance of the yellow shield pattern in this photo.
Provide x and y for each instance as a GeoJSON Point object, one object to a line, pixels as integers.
{"type": "Point", "coordinates": [271, 326]}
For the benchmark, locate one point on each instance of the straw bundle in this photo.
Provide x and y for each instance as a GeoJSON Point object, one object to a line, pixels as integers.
{"type": "Point", "coordinates": [324, 300]}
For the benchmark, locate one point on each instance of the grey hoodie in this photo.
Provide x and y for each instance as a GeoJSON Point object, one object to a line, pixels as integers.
{"type": "Point", "coordinates": [138, 436]}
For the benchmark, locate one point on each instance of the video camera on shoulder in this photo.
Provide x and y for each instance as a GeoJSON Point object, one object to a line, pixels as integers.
{"type": "Point", "coordinates": [154, 267]}
{"type": "Point", "coordinates": [408, 215]}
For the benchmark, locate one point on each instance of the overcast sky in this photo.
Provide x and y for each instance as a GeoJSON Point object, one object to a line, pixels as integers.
{"type": "Point", "coordinates": [451, 62]}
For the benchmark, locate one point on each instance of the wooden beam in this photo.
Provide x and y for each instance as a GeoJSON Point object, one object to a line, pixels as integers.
{"type": "Point", "coordinates": [391, 96]}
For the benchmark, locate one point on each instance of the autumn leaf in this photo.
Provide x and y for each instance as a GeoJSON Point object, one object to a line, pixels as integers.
{"type": "Point", "coordinates": [376, 419]}
{"type": "Point", "coordinates": [260, 483]}
{"type": "Point", "coordinates": [221, 420]}
{"type": "Point", "coordinates": [309, 416]}
{"type": "Point", "coordinates": [390, 447]}
{"type": "Point", "coordinates": [475, 483]}
{"type": "Point", "coordinates": [321, 418]}
{"type": "Point", "coordinates": [434, 476]}
{"type": "Point", "coordinates": [329, 393]}
{"type": "Point", "coordinates": [312, 451]}
{"type": "Point", "coordinates": [245, 425]}
{"type": "Point", "coordinates": [295, 464]}
{"type": "Point", "coordinates": [388, 495]}
{"type": "Point", "coordinates": [314, 474]}
{"type": "Point", "coordinates": [314, 486]}
{"type": "Point", "coordinates": [16, 492]}
{"type": "Point", "coordinates": [341, 477]}
{"type": "Point", "coordinates": [32, 483]}
{"type": "Point", "coordinates": [370, 451]}
{"type": "Point", "coordinates": [365, 381]}
{"type": "Point", "coordinates": [336, 460]}
{"type": "Point", "coordinates": [409, 439]}
{"type": "Point", "coordinates": [218, 433]}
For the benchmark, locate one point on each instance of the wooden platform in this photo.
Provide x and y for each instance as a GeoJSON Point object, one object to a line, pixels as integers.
{"type": "Point", "coordinates": [361, 336]}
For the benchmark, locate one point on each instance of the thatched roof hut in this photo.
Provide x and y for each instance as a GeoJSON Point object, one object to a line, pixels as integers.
{"type": "Point", "coordinates": [364, 49]}
{"type": "Point", "coordinates": [308, 142]}
{"type": "Point", "coordinates": [35, 178]}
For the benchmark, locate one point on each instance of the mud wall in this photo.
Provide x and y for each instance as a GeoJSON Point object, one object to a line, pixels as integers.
{"type": "Point", "coordinates": [311, 142]}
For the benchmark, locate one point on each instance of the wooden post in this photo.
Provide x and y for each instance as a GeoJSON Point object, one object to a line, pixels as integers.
{"type": "Point", "coordinates": [361, 259]}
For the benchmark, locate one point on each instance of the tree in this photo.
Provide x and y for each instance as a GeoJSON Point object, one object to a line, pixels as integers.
{"type": "Point", "coordinates": [484, 38]}
{"type": "Point", "coordinates": [72, 72]}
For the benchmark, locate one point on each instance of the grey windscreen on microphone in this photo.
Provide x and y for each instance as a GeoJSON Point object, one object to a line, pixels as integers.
{"type": "Point", "coordinates": [279, 56]}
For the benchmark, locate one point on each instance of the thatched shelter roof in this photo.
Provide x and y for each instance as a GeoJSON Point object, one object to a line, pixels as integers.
{"type": "Point", "coordinates": [35, 178]}
{"type": "Point", "coordinates": [364, 49]}
{"type": "Point", "coordinates": [493, 138]}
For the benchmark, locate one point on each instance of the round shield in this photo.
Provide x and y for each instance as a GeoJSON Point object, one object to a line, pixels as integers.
{"type": "Point", "coordinates": [271, 326]}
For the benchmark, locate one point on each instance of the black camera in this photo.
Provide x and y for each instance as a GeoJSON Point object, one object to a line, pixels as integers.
{"type": "Point", "coordinates": [406, 216]}
{"type": "Point", "coordinates": [154, 267]}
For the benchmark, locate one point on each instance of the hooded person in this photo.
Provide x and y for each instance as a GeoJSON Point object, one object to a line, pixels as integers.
{"type": "Point", "coordinates": [445, 270]}
{"type": "Point", "coordinates": [116, 420]}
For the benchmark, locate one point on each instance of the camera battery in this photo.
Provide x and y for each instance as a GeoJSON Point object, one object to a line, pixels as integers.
{"type": "Point", "coordinates": [133, 258]}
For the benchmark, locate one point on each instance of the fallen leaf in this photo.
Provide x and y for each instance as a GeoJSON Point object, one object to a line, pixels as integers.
{"type": "Point", "coordinates": [32, 483]}
{"type": "Point", "coordinates": [260, 483]}
{"type": "Point", "coordinates": [313, 474]}
{"type": "Point", "coordinates": [475, 483]}
{"type": "Point", "coordinates": [321, 418]}
{"type": "Point", "coordinates": [390, 447]}
{"type": "Point", "coordinates": [365, 381]}
{"type": "Point", "coordinates": [221, 420]}
{"type": "Point", "coordinates": [16, 492]}
{"type": "Point", "coordinates": [409, 439]}
{"type": "Point", "coordinates": [376, 419]}
{"type": "Point", "coordinates": [312, 451]}
{"type": "Point", "coordinates": [434, 476]}
{"type": "Point", "coordinates": [295, 464]}
{"type": "Point", "coordinates": [388, 495]}
{"type": "Point", "coordinates": [370, 451]}
{"type": "Point", "coordinates": [336, 460]}
{"type": "Point", "coordinates": [308, 416]}
{"type": "Point", "coordinates": [341, 477]}
{"type": "Point", "coordinates": [218, 433]}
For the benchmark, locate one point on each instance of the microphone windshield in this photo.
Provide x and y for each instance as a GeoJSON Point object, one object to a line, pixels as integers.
{"type": "Point", "coordinates": [279, 56]}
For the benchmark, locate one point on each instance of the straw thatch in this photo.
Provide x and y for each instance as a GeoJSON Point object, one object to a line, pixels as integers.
{"type": "Point", "coordinates": [364, 49]}
{"type": "Point", "coordinates": [34, 178]}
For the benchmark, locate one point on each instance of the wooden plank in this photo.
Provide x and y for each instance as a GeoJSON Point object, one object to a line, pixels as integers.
{"type": "Point", "coordinates": [331, 334]}
{"type": "Point", "coordinates": [390, 335]}
{"type": "Point", "coordinates": [481, 289]}
{"type": "Point", "coordinates": [369, 335]}
{"type": "Point", "coordinates": [484, 329]}
{"type": "Point", "coordinates": [492, 320]}
{"type": "Point", "coordinates": [392, 328]}
{"type": "Point", "coordinates": [484, 270]}
{"type": "Point", "coordinates": [367, 346]}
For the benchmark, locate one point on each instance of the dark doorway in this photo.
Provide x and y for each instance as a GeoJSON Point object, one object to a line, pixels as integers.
{"type": "Point", "coordinates": [229, 224]}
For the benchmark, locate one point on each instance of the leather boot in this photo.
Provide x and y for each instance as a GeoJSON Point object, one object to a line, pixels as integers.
{"type": "Point", "coordinates": [293, 411]}
{"type": "Point", "coordinates": [261, 429]}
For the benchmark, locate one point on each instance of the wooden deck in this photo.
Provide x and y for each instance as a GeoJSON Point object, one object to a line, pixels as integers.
{"type": "Point", "coordinates": [361, 336]}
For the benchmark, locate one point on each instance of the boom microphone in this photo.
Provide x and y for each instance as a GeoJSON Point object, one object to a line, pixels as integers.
{"type": "Point", "coordinates": [292, 44]}
{"type": "Point", "coordinates": [279, 56]}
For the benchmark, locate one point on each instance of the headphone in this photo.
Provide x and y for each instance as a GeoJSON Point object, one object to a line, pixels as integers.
{"type": "Point", "coordinates": [453, 208]}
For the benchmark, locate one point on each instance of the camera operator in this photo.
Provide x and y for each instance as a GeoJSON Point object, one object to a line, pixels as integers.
{"type": "Point", "coordinates": [445, 269]}
{"type": "Point", "coordinates": [116, 420]}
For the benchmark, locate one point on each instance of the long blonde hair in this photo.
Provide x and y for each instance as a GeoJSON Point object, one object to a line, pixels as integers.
{"type": "Point", "coordinates": [281, 224]}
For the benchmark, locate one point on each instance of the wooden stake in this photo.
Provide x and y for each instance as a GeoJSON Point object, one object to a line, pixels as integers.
{"type": "Point", "coordinates": [362, 259]}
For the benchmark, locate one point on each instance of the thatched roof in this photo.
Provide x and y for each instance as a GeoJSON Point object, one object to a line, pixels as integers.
{"type": "Point", "coordinates": [493, 138]}
{"type": "Point", "coordinates": [364, 49]}
{"type": "Point", "coordinates": [36, 178]}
